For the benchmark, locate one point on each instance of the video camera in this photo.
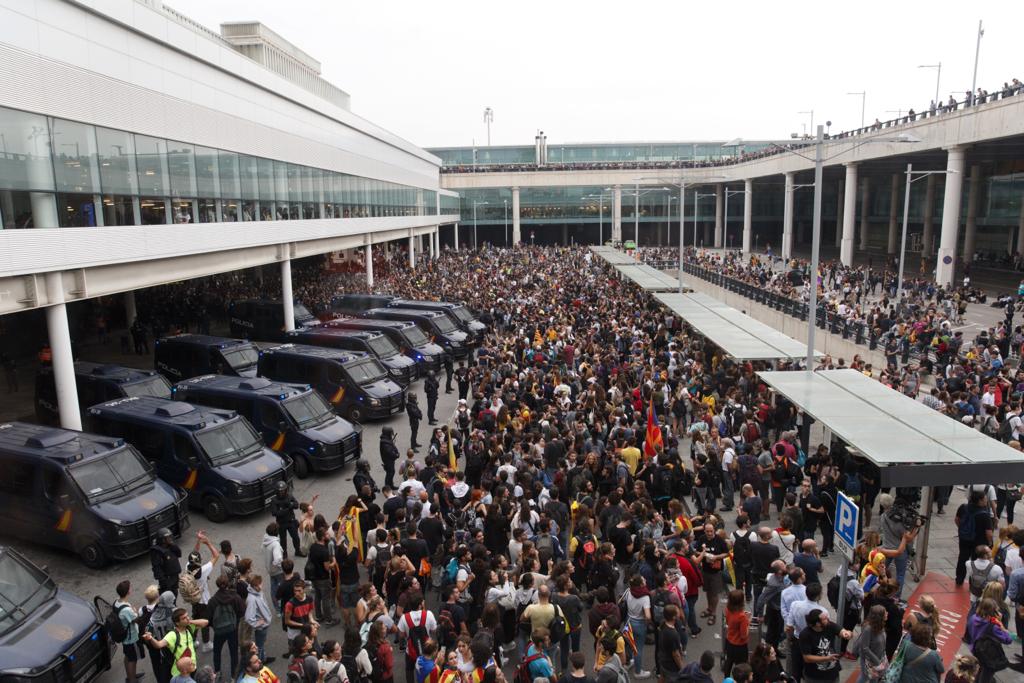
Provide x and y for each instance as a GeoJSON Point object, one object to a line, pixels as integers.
{"type": "Point", "coordinates": [904, 510]}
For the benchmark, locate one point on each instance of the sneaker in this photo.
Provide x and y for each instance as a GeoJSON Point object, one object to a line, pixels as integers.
{"type": "Point", "coordinates": [642, 674]}
{"type": "Point", "coordinates": [206, 647]}
{"type": "Point", "coordinates": [695, 632]}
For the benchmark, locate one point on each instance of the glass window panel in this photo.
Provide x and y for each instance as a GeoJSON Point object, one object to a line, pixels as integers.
{"type": "Point", "coordinates": [74, 157]}
{"type": "Point", "coordinates": [280, 180]}
{"type": "Point", "coordinates": [208, 210]}
{"type": "Point", "coordinates": [182, 164]}
{"type": "Point", "coordinates": [16, 210]}
{"type": "Point", "coordinates": [151, 160]}
{"type": "Point", "coordinates": [76, 211]}
{"type": "Point", "coordinates": [230, 185]}
{"type": "Point", "coordinates": [306, 175]}
{"type": "Point", "coordinates": [154, 212]}
{"type": "Point", "coordinates": [117, 210]}
{"type": "Point", "coordinates": [207, 173]}
{"type": "Point", "coordinates": [183, 212]}
{"type": "Point", "coordinates": [294, 182]}
{"type": "Point", "coordinates": [25, 162]}
{"type": "Point", "coordinates": [268, 186]}
{"type": "Point", "coordinates": [116, 151]}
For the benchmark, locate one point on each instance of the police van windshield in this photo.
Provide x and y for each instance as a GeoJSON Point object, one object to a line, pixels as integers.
{"type": "Point", "coordinates": [365, 371]}
{"type": "Point", "coordinates": [23, 589]}
{"type": "Point", "coordinates": [308, 410]}
{"type": "Point", "coordinates": [462, 314]}
{"type": "Point", "coordinates": [154, 385]}
{"type": "Point", "coordinates": [415, 336]}
{"type": "Point", "coordinates": [229, 441]}
{"type": "Point", "coordinates": [111, 475]}
{"type": "Point", "coordinates": [382, 346]}
{"type": "Point", "coordinates": [444, 324]}
{"type": "Point", "coordinates": [302, 313]}
{"type": "Point", "coordinates": [240, 357]}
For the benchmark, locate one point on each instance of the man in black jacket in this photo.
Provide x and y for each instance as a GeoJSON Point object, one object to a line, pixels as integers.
{"type": "Point", "coordinates": [388, 455]}
{"type": "Point", "coordinates": [165, 556]}
{"type": "Point", "coordinates": [762, 554]}
{"type": "Point", "coordinates": [412, 409]}
{"type": "Point", "coordinates": [283, 507]}
{"type": "Point", "coordinates": [430, 387]}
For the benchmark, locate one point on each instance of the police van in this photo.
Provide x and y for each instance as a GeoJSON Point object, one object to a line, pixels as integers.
{"type": "Point", "coordinates": [46, 634]}
{"type": "Point", "coordinates": [405, 334]}
{"type": "Point", "coordinates": [187, 355]}
{"type": "Point", "coordinates": [292, 418]}
{"type": "Point", "coordinates": [90, 494]}
{"type": "Point", "coordinates": [215, 455]}
{"type": "Point", "coordinates": [435, 324]}
{"type": "Point", "coordinates": [354, 304]}
{"type": "Point", "coordinates": [400, 367]}
{"type": "Point", "coordinates": [264, 319]}
{"type": "Point", "coordinates": [96, 383]}
{"type": "Point", "coordinates": [354, 383]}
{"type": "Point", "coordinates": [457, 313]}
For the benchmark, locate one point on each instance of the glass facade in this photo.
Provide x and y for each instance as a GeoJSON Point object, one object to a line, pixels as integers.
{"type": "Point", "coordinates": [594, 153]}
{"type": "Point", "coordinates": [57, 173]}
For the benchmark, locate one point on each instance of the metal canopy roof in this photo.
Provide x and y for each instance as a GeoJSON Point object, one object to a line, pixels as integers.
{"type": "Point", "coordinates": [912, 444]}
{"type": "Point", "coordinates": [736, 333]}
{"type": "Point", "coordinates": [649, 279]}
{"type": "Point", "coordinates": [614, 257]}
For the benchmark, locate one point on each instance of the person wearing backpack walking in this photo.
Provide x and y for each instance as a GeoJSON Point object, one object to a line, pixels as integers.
{"type": "Point", "coordinates": [181, 641]}
{"type": "Point", "coordinates": [416, 625]}
{"type": "Point", "coordinates": [133, 650]}
{"type": "Point", "coordinates": [981, 570]}
{"type": "Point", "coordinates": [226, 609]}
{"type": "Point", "coordinates": [742, 559]}
{"type": "Point", "coordinates": [974, 529]}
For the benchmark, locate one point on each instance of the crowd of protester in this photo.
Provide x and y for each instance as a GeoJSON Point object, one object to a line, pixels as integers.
{"type": "Point", "coordinates": [607, 470]}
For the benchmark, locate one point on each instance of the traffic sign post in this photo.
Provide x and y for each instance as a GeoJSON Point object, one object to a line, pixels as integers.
{"type": "Point", "coordinates": [845, 536]}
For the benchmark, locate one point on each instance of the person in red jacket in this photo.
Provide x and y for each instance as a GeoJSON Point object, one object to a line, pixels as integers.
{"type": "Point", "coordinates": [689, 572]}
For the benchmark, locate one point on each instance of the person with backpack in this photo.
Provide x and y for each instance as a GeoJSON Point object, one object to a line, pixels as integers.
{"type": "Point", "coordinates": [377, 558]}
{"type": "Point", "coordinates": [416, 625]}
{"type": "Point", "coordinates": [156, 620]}
{"type": "Point", "coordinates": [536, 663]}
{"type": "Point", "coordinates": [571, 606]}
{"type": "Point", "coordinates": [974, 529]}
{"type": "Point", "coordinates": [982, 570]}
{"type": "Point", "coordinates": [583, 552]}
{"type": "Point", "coordinates": [128, 633]}
{"type": "Point", "coordinates": [226, 609]}
{"type": "Point", "coordinates": [181, 640]}
{"type": "Point", "coordinates": [742, 560]}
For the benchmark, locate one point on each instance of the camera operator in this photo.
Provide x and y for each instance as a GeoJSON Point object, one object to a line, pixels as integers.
{"type": "Point", "coordinates": [896, 536]}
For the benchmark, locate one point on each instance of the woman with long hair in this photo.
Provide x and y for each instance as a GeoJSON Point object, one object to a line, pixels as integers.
{"type": "Point", "coordinates": [381, 653]}
{"type": "Point", "coordinates": [765, 664]}
{"type": "Point", "coordinates": [926, 612]}
{"type": "Point", "coordinates": [986, 632]}
{"type": "Point", "coordinates": [869, 645]}
{"type": "Point", "coordinates": [737, 631]}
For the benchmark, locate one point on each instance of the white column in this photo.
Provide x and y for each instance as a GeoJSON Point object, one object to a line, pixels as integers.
{"type": "Point", "coordinates": [787, 218]}
{"type": "Point", "coordinates": [971, 227]}
{"type": "Point", "coordinates": [44, 211]}
{"type": "Point", "coordinates": [839, 214]}
{"type": "Point", "coordinates": [849, 215]}
{"type": "Point", "coordinates": [748, 224]}
{"type": "Point", "coordinates": [456, 233]}
{"type": "Point", "coordinates": [517, 235]}
{"type": "Point", "coordinates": [719, 206]}
{"type": "Point", "coordinates": [894, 200]}
{"type": "Point", "coordinates": [368, 256]}
{"type": "Point", "coordinates": [929, 215]}
{"type": "Point", "coordinates": [130, 312]}
{"type": "Point", "coordinates": [97, 207]}
{"type": "Point", "coordinates": [945, 267]}
{"type": "Point", "coordinates": [60, 346]}
{"type": "Point", "coordinates": [412, 251]}
{"type": "Point", "coordinates": [1020, 230]}
{"type": "Point", "coordinates": [287, 298]}
{"type": "Point", "coordinates": [617, 214]}
{"type": "Point", "coordinates": [430, 238]}
{"type": "Point", "coordinates": [865, 198]}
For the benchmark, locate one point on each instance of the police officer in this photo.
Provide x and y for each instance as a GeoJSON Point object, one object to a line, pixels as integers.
{"type": "Point", "coordinates": [430, 387]}
{"type": "Point", "coordinates": [449, 370]}
{"type": "Point", "coordinates": [283, 507]}
{"type": "Point", "coordinates": [165, 556]}
{"type": "Point", "coordinates": [412, 409]}
{"type": "Point", "coordinates": [462, 377]}
{"type": "Point", "coordinates": [388, 455]}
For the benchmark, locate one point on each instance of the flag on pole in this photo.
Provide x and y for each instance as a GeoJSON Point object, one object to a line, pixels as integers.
{"type": "Point", "coordinates": [653, 437]}
{"type": "Point", "coordinates": [350, 528]}
{"type": "Point", "coordinates": [627, 634]}
{"type": "Point", "coordinates": [453, 463]}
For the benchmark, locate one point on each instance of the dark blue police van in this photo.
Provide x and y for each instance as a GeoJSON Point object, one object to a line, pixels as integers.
{"type": "Point", "coordinates": [215, 455]}
{"type": "Point", "coordinates": [354, 383]}
{"type": "Point", "coordinates": [97, 382]}
{"type": "Point", "coordinates": [400, 367]}
{"type": "Point", "coordinates": [292, 418]}
{"type": "Point", "coordinates": [47, 635]}
{"type": "Point", "coordinates": [405, 334]}
{"type": "Point", "coordinates": [457, 313]}
{"type": "Point", "coordinates": [264, 319]}
{"type": "Point", "coordinates": [90, 494]}
{"type": "Point", "coordinates": [435, 324]}
{"type": "Point", "coordinates": [187, 355]}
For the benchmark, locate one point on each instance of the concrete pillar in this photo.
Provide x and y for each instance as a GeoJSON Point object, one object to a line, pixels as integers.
{"type": "Point", "coordinates": [748, 224]}
{"type": "Point", "coordinates": [971, 228]}
{"type": "Point", "coordinates": [708, 235]}
{"type": "Point", "coordinates": [849, 215]}
{"type": "Point", "coordinates": [617, 214]}
{"type": "Point", "coordinates": [287, 298]}
{"type": "Point", "coordinates": [97, 208]}
{"type": "Point", "coordinates": [787, 218]}
{"type": "Point", "coordinates": [517, 234]}
{"type": "Point", "coordinates": [865, 199]}
{"type": "Point", "coordinates": [130, 312]}
{"type": "Point", "coordinates": [1020, 229]}
{"type": "Point", "coordinates": [929, 215]}
{"type": "Point", "coordinates": [44, 212]}
{"type": "Point", "coordinates": [719, 206]}
{"type": "Point", "coordinates": [60, 346]}
{"type": "Point", "coordinates": [894, 203]}
{"type": "Point", "coordinates": [945, 267]}
{"type": "Point", "coordinates": [412, 251]}
{"type": "Point", "coordinates": [839, 214]}
{"type": "Point", "coordinates": [565, 234]}
{"type": "Point", "coordinates": [456, 228]}
{"type": "Point", "coordinates": [369, 263]}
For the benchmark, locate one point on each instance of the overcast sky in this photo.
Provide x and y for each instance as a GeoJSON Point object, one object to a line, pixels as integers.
{"type": "Point", "coordinates": [630, 71]}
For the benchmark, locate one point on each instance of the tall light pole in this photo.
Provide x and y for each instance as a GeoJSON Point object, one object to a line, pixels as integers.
{"type": "Point", "coordinates": [811, 112]}
{"type": "Point", "coordinates": [912, 176]}
{"type": "Point", "coordinates": [938, 78]}
{"type": "Point", "coordinates": [729, 193]}
{"type": "Point", "coordinates": [488, 117]}
{"type": "Point", "coordinates": [475, 204]}
{"type": "Point", "coordinates": [863, 101]}
{"type": "Point", "coordinates": [977, 52]}
{"type": "Point", "coordinates": [507, 238]}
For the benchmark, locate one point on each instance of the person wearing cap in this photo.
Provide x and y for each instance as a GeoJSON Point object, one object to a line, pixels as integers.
{"type": "Point", "coordinates": [283, 507]}
{"type": "Point", "coordinates": [388, 455]}
{"type": "Point", "coordinates": [821, 660]}
{"type": "Point", "coordinates": [165, 557]}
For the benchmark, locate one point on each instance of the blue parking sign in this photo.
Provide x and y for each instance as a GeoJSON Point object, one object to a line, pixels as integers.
{"type": "Point", "coordinates": [847, 514]}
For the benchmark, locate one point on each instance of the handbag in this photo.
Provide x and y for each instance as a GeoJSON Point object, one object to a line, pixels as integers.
{"type": "Point", "coordinates": [895, 671]}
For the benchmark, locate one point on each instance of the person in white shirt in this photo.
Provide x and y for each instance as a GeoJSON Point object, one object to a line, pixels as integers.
{"type": "Point", "coordinates": [420, 616]}
{"type": "Point", "coordinates": [1013, 559]}
{"type": "Point", "coordinates": [414, 485]}
{"type": "Point", "coordinates": [202, 572]}
{"type": "Point", "coordinates": [982, 570]}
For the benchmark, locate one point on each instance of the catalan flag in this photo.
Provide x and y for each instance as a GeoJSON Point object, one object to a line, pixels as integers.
{"type": "Point", "coordinates": [653, 438]}
{"type": "Point", "coordinates": [350, 527]}
{"type": "Point", "coordinates": [627, 635]}
{"type": "Point", "coordinates": [453, 462]}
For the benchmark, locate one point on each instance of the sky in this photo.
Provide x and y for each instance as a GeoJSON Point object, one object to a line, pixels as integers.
{"type": "Point", "coordinates": [639, 71]}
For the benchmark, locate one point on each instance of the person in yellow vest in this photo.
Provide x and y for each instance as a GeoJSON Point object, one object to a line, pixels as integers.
{"type": "Point", "coordinates": [182, 640]}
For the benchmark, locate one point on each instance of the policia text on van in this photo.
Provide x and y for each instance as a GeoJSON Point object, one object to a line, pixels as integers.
{"type": "Point", "coordinates": [355, 383]}
{"type": "Point", "coordinates": [292, 418]}
{"type": "Point", "coordinates": [97, 383]}
{"type": "Point", "coordinates": [215, 455]}
{"type": "Point", "coordinates": [400, 367]}
{"type": "Point", "coordinates": [46, 634]}
{"type": "Point", "coordinates": [263, 319]}
{"type": "Point", "coordinates": [188, 355]}
{"type": "Point", "coordinates": [82, 492]}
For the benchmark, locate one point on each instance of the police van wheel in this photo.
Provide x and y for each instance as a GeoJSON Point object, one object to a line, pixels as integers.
{"type": "Point", "coordinates": [213, 508]}
{"type": "Point", "coordinates": [300, 466]}
{"type": "Point", "coordinates": [92, 554]}
{"type": "Point", "coordinates": [355, 414]}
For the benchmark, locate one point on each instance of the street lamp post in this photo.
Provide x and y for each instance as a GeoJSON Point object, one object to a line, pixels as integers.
{"type": "Point", "coordinates": [863, 100]}
{"type": "Point", "coordinates": [906, 216]}
{"type": "Point", "coordinates": [488, 118]}
{"type": "Point", "coordinates": [977, 52]}
{"type": "Point", "coordinates": [938, 78]}
{"type": "Point", "coordinates": [475, 204]}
